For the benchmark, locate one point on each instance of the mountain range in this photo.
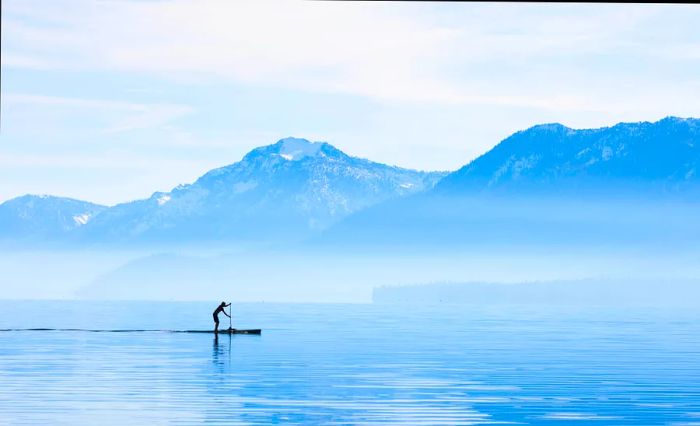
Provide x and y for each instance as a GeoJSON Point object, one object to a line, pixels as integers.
{"type": "Point", "coordinates": [296, 189]}
{"type": "Point", "coordinates": [631, 184]}
{"type": "Point", "coordinates": [283, 191]}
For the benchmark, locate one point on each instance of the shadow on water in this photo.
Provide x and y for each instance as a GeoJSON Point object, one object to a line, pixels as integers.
{"type": "Point", "coordinates": [221, 351]}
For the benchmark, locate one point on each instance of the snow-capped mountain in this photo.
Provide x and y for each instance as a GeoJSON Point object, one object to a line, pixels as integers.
{"type": "Point", "coordinates": [280, 191]}
{"type": "Point", "coordinates": [664, 155]}
{"type": "Point", "coordinates": [37, 216]}
{"type": "Point", "coordinates": [549, 180]}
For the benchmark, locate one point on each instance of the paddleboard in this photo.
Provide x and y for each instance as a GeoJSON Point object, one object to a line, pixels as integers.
{"type": "Point", "coordinates": [224, 331]}
{"type": "Point", "coordinates": [228, 331]}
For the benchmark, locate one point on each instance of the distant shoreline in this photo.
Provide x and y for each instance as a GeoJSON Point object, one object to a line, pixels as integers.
{"type": "Point", "coordinates": [623, 292]}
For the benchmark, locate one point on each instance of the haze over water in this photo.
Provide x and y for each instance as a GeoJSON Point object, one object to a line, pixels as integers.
{"type": "Point", "coordinates": [349, 364]}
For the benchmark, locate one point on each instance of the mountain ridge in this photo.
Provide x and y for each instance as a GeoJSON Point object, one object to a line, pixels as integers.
{"type": "Point", "coordinates": [663, 152]}
{"type": "Point", "coordinates": [631, 184]}
{"type": "Point", "coordinates": [294, 189]}
{"type": "Point", "coordinates": [33, 216]}
{"type": "Point", "coordinates": [280, 191]}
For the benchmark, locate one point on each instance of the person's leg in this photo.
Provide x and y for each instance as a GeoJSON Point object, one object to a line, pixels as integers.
{"type": "Point", "coordinates": [216, 327]}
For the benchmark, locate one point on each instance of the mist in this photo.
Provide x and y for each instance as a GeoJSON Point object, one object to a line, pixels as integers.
{"type": "Point", "coordinates": [350, 275]}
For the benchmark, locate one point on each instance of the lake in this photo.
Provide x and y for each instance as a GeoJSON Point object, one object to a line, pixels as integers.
{"type": "Point", "coordinates": [348, 364]}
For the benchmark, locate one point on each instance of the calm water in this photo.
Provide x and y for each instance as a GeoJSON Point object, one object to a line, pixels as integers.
{"type": "Point", "coordinates": [349, 364]}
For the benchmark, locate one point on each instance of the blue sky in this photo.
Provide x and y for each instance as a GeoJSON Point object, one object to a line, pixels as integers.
{"type": "Point", "coordinates": [109, 101]}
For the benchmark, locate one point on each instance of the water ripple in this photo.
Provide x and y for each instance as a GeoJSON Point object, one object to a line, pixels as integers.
{"type": "Point", "coordinates": [314, 365]}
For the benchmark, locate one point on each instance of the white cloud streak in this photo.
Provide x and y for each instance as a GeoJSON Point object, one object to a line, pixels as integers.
{"type": "Point", "coordinates": [387, 52]}
{"type": "Point", "coordinates": [130, 116]}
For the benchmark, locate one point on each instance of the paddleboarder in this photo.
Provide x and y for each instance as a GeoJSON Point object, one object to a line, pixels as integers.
{"type": "Point", "coordinates": [220, 308]}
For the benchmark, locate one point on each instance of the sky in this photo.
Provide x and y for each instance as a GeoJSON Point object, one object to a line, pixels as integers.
{"type": "Point", "coordinates": [110, 101]}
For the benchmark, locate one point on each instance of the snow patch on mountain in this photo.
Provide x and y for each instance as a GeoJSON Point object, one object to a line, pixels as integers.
{"type": "Point", "coordinates": [163, 199]}
{"type": "Point", "coordinates": [607, 153]}
{"type": "Point", "coordinates": [293, 149]}
{"type": "Point", "coordinates": [81, 219]}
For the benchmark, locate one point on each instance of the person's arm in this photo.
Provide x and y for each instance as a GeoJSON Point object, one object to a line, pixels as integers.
{"type": "Point", "coordinates": [227, 314]}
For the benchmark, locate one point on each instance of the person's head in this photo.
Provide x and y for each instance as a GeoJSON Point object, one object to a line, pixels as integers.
{"type": "Point", "coordinates": [223, 304]}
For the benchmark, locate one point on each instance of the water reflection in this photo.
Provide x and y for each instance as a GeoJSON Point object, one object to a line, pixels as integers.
{"type": "Point", "coordinates": [317, 366]}
{"type": "Point", "coordinates": [221, 350]}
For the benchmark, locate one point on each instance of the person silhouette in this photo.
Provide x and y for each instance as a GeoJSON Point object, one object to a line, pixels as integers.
{"type": "Point", "coordinates": [219, 308]}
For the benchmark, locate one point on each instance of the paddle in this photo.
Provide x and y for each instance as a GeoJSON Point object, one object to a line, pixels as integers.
{"type": "Point", "coordinates": [229, 317]}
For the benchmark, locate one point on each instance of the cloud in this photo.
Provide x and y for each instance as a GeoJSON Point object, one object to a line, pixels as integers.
{"type": "Point", "coordinates": [98, 162]}
{"type": "Point", "coordinates": [448, 54]}
{"type": "Point", "coordinates": [129, 115]}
